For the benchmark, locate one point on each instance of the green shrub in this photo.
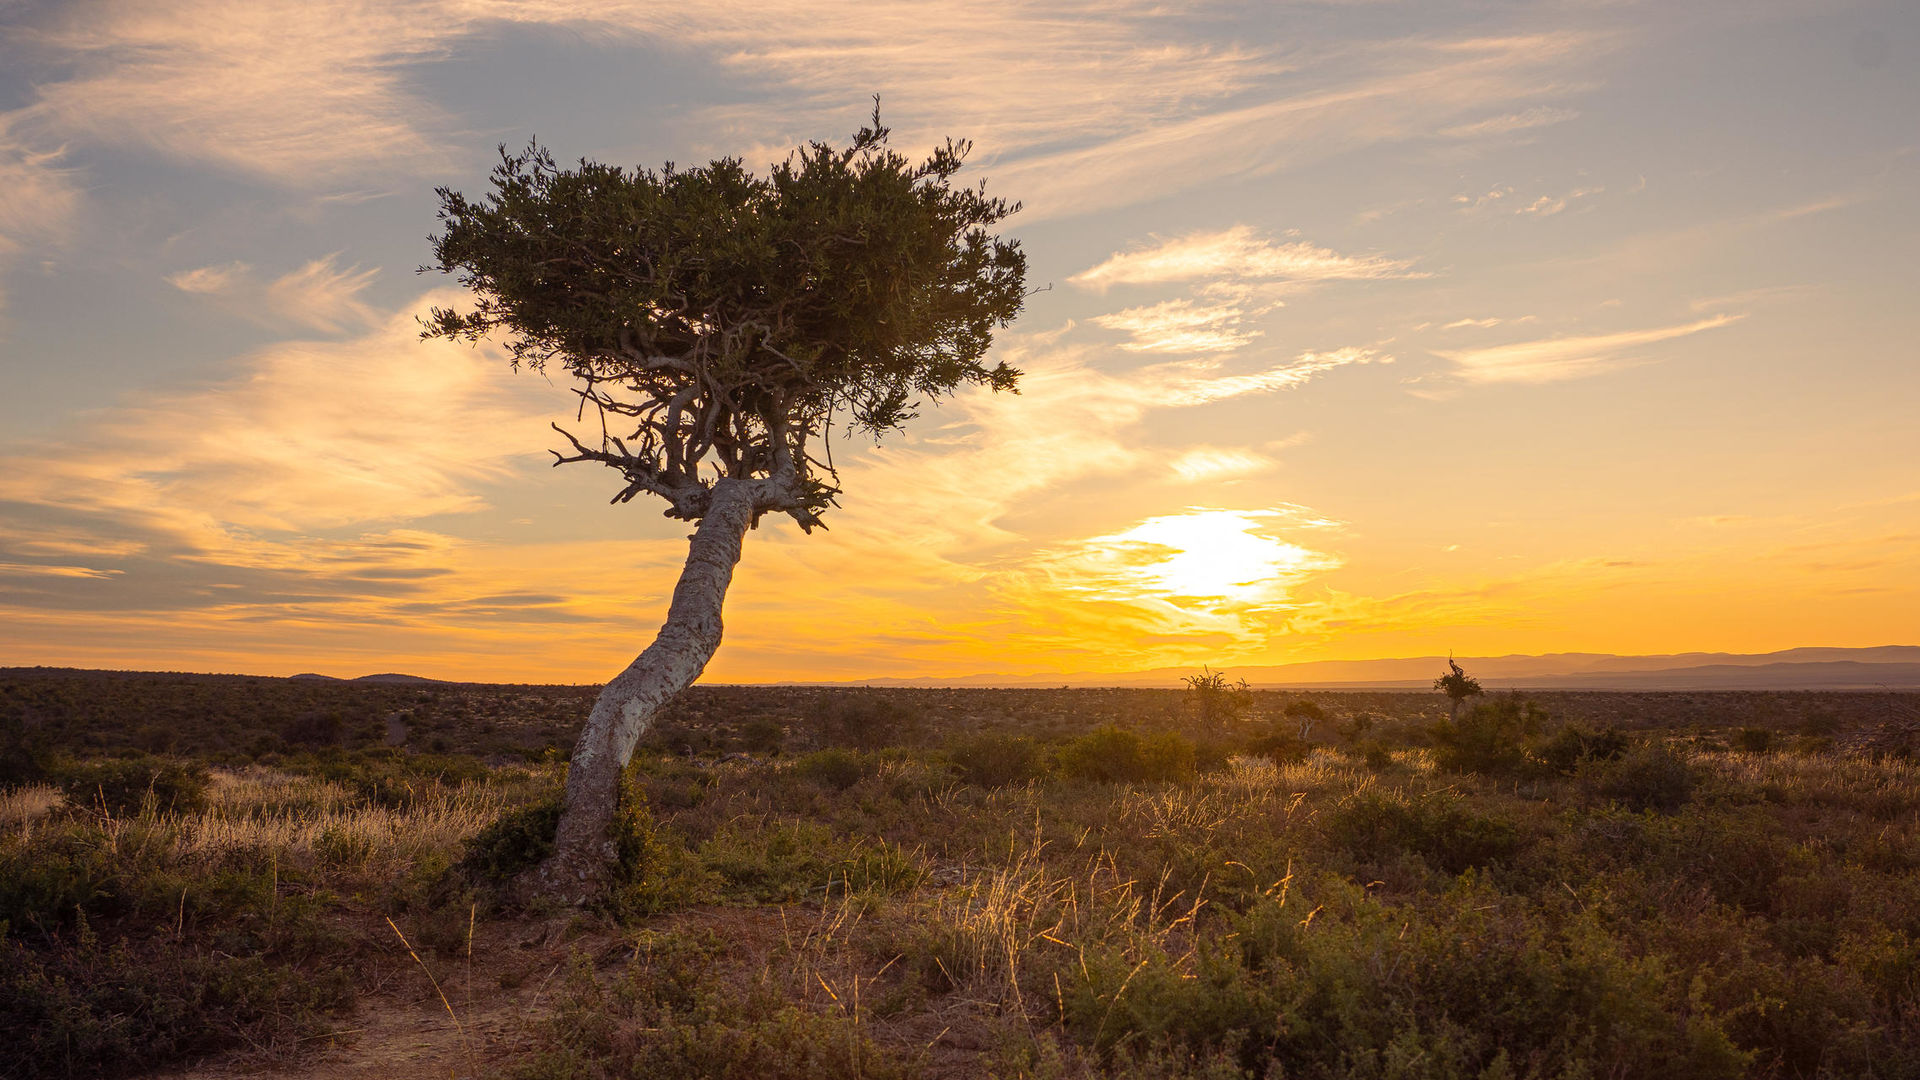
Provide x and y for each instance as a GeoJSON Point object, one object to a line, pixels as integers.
{"type": "Point", "coordinates": [834, 768]}
{"type": "Point", "coordinates": [516, 842]}
{"type": "Point", "coordinates": [1649, 777]}
{"type": "Point", "coordinates": [1752, 740]}
{"type": "Point", "coordinates": [1373, 826]}
{"type": "Point", "coordinates": [519, 840]}
{"type": "Point", "coordinates": [865, 721]}
{"type": "Point", "coordinates": [990, 759]}
{"type": "Point", "coordinates": [96, 1010]}
{"type": "Point", "coordinates": [784, 861]}
{"type": "Point", "coordinates": [57, 877]}
{"type": "Point", "coordinates": [1114, 756]}
{"type": "Point", "coordinates": [24, 753]}
{"type": "Point", "coordinates": [1375, 754]}
{"type": "Point", "coordinates": [665, 1020]}
{"type": "Point", "coordinates": [1492, 737]}
{"type": "Point", "coordinates": [1280, 743]}
{"type": "Point", "coordinates": [1576, 743]}
{"type": "Point", "coordinates": [763, 735]}
{"type": "Point", "coordinates": [124, 786]}
{"type": "Point", "coordinates": [387, 777]}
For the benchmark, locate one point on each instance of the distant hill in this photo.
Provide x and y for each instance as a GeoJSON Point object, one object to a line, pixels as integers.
{"type": "Point", "coordinates": [1890, 667]}
{"type": "Point", "coordinates": [387, 677]}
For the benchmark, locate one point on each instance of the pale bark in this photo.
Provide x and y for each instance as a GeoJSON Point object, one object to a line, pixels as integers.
{"type": "Point", "coordinates": [583, 846]}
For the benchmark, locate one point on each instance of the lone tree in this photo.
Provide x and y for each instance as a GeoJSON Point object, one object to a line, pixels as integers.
{"type": "Point", "coordinates": [1459, 686]}
{"type": "Point", "coordinates": [721, 325]}
{"type": "Point", "coordinates": [1218, 701]}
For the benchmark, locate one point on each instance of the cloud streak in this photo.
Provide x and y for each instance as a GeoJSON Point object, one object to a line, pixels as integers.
{"type": "Point", "coordinates": [1076, 105]}
{"type": "Point", "coordinates": [318, 296]}
{"type": "Point", "coordinates": [300, 94]}
{"type": "Point", "coordinates": [1557, 359]}
{"type": "Point", "coordinates": [1181, 326]}
{"type": "Point", "coordinates": [1239, 253]}
{"type": "Point", "coordinates": [238, 480]}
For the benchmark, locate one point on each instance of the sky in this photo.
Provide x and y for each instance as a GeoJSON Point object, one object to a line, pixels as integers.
{"type": "Point", "coordinates": [1363, 328]}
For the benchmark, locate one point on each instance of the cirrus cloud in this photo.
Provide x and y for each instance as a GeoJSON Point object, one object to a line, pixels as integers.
{"type": "Point", "coordinates": [1556, 359]}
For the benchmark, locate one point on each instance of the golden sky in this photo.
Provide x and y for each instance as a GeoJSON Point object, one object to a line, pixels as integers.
{"type": "Point", "coordinates": [1373, 329]}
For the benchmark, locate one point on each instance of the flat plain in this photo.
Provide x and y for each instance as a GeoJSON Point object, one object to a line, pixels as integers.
{"type": "Point", "coordinates": [226, 875]}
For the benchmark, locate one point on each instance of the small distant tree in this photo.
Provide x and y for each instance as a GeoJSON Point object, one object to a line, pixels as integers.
{"type": "Point", "coordinates": [1215, 699]}
{"type": "Point", "coordinates": [720, 325]}
{"type": "Point", "coordinates": [1458, 686]}
{"type": "Point", "coordinates": [1305, 713]}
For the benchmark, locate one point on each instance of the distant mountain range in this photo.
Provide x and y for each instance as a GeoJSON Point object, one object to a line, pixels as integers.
{"type": "Point", "coordinates": [1886, 667]}
{"type": "Point", "coordinates": [386, 677]}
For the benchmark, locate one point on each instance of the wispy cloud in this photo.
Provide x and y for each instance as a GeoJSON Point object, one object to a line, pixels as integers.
{"type": "Point", "coordinates": [304, 436]}
{"type": "Point", "coordinates": [312, 95]}
{"type": "Point", "coordinates": [1524, 120]}
{"type": "Point", "coordinates": [1185, 386]}
{"type": "Point", "coordinates": [302, 94]}
{"type": "Point", "coordinates": [1549, 205]}
{"type": "Point", "coordinates": [1555, 359]}
{"type": "Point", "coordinates": [1240, 253]}
{"type": "Point", "coordinates": [1077, 105]}
{"type": "Point", "coordinates": [1343, 101]}
{"type": "Point", "coordinates": [1484, 324]}
{"type": "Point", "coordinates": [318, 296]}
{"type": "Point", "coordinates": [1214, 463]}
{"type": "Point", "coordinates": [1502, 198]}
{"type": "Point", "coordinates": [1181, 326]}
{"type": "Point", "coordinates": [39, 195]}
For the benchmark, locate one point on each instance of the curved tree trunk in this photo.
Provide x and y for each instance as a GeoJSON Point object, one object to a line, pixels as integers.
{"type": "Point", "coordinates": [583, 847]}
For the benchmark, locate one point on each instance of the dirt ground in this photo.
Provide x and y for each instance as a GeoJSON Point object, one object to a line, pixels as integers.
{"type": "Point", "coordinates": [403, 1029]}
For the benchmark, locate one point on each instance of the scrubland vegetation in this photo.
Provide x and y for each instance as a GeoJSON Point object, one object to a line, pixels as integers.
{"type": "Point", "coordinates": [871, 884]}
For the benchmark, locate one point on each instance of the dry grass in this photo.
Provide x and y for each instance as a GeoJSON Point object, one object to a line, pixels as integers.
{"type": "Point", "coordinates": [1869, 785]}
{"type": "Point", "coordinates": [23, 806]}
{"type": "Point", "coordinates": [258, 815]}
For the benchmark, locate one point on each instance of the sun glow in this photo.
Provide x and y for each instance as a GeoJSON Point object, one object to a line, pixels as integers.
{"type": "Point", "coordinates": [1211, 559]}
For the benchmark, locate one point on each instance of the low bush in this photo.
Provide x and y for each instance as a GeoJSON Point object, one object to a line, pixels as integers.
{"type": "Point", "coordinates": [96, 1010]}
{"type": "Point", "coordinates": [663, 1019]}
{"type": "Point", "coordinates": [865, 721]}
{"type": "Point", "coordinates": [762, 735]}
{"type": "Point", "coordinates": [834, 768]}
{"type": "Point", "coordinates": [1493, 737]}
{"type": "Point", "coordinates": [1376, 755]}
{"type": "Point", "coordinates": [1280, 743]}
{"type": "Point", "coordinates": [382, 776]}
{"type": "Point", "coordinates": [1567, 748]}
{"type": "Point", "coordinates": [24, 752]}
{"type": "Point", "coordinates": [648, 874]}
{"type": "Point", "coordinates": [123, 786]}
{"type": "Point", "coordinates": [1649, 777]}
{"type": "Point", "coordinates": [1373, 826]}
{"type": "Point", "coordinates": [990, 759]}
{"type": "Point", "coordinates": [784, 861]}
{"type": "Point", "coordinates": [1114, 756]}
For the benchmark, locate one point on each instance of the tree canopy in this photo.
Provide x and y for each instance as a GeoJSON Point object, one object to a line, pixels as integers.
{"type": "Point", "coordinates": [722, 324]}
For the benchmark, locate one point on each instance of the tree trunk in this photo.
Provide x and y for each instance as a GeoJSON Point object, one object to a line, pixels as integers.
{"type": "Point", "coordinates": [583, 848]}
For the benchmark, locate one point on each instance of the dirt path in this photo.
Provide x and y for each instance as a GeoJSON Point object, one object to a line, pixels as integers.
{"type": "Point", "coordinates": [401, 1029]}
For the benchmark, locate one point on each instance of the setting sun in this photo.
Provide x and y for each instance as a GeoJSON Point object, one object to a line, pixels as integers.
{"type": "Point", "coordinates": [1215, 558]}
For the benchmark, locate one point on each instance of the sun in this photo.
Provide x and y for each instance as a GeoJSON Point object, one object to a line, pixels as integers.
{"type": "Point", "coordinates": [1210, 558]}
{"type": "Point", "coordinates": [1215, 555]}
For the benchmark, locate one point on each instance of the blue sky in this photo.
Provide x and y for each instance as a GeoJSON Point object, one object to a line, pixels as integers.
{"type": "Point", "coordinates": [1374, 328]}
